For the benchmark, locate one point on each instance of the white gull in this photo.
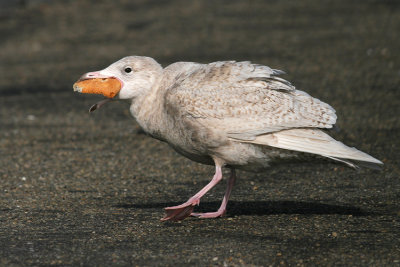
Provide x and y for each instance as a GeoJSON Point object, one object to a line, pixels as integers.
{"type": "Point", "coordinates": [230, 114]}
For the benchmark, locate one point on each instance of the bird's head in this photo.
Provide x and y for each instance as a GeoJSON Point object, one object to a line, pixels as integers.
{"type": "Point", "coordinates": [128, 78]}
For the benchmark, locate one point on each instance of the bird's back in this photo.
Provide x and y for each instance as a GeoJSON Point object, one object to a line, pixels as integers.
{"type": "Point", "coordinates": [211, 108]}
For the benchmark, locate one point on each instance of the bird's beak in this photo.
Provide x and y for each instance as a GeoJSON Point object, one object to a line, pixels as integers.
{"type": "Point", "coordinates": [97, 83]}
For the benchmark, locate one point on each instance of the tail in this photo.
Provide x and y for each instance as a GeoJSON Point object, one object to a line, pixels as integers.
{"type": "Point", "coordinates": [317, 142]}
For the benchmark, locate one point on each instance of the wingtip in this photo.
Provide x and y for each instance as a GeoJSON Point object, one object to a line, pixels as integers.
{"type": "Point", "coordinates": [278, 72]}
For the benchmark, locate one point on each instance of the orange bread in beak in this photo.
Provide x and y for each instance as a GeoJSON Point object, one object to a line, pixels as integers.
{"type": "Point", "coordinates": [109, 87]}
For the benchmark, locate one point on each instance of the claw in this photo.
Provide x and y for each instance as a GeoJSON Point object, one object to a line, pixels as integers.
{"type": "Point", "coordinates": [178, 213]}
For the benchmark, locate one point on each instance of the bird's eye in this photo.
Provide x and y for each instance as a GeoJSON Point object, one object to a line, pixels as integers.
{"type": "Point", "coordinates": [128, 69]}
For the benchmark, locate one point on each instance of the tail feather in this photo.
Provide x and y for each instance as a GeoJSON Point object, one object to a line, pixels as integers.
{"type": "Point", "coordinates": [317, 142]}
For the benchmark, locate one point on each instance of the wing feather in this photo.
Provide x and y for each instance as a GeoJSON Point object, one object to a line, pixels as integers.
{"type": "Point", "coordinates": [245, 100]}
{"type": "Point", "coordinates": [249, 103]}
{"type": "Point", "coordinates": [314, 141]}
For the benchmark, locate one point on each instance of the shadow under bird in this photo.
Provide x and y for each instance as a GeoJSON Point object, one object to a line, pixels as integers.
{"type": "Point", "coordinates": [230, 114]}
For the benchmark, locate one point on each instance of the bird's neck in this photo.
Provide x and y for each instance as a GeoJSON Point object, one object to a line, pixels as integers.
{"type": "Point", "coordinates": [148, 110]}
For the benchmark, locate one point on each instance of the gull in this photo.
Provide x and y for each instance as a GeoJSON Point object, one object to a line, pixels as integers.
{"type": "Point", "coordinates": [237, 115]}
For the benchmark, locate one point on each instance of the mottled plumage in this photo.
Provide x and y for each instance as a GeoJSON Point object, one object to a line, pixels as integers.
{"type": "Point", "coordinates": [228, 113]}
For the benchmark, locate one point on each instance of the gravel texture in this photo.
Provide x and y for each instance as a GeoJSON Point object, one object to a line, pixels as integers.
{"type": "Point", "coordinates": [89, 189]}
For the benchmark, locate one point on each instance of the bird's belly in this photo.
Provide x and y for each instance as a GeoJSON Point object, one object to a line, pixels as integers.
{"type": "Point", "coordinates": [197, 157]}
{"type": "Point", "coordinates": [255, 158]}
{"type": "Point", "coordinates": [243, 156]}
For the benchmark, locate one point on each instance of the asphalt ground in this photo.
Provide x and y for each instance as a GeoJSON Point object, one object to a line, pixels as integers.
{"type": "Point", "coordinates": [89, 189]}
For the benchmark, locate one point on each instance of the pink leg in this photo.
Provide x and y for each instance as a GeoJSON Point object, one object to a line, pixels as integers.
{"type": "Point", "coordinates": [222, 209]}
{"type": "Point", "coordinates": [184, 210]}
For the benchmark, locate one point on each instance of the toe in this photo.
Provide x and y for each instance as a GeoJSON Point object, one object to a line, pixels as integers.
{"type": "Point", "coordinates": [177, 214]}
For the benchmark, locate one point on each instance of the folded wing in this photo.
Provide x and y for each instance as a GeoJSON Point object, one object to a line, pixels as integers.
{"type": "Point", "coordinates": [249, 103]}
{"type": "Point", "coordinates": [314, 141]}
{"type": "Point", "coordinates": [245, 100]}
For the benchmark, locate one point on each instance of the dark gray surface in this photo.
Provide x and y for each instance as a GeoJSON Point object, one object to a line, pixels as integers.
{"type": "Point", "coordinates": [80, 189]}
